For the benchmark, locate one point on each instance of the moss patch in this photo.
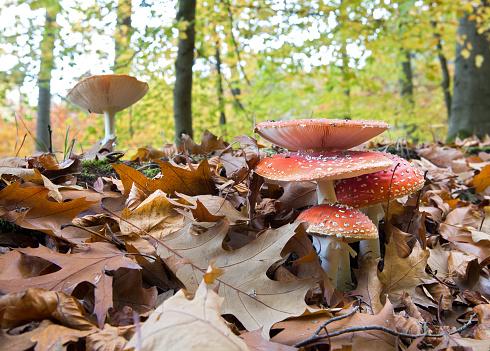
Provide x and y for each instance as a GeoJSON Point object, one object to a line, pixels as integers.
{"type": "Point", "coordinates": [94, 169]}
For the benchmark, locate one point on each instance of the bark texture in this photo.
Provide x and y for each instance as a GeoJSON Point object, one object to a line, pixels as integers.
{"type": "Point", "coordinates": [407, 80]}
{"type": "Point", "coordinates": [183, 71]}
{"type": "Point", "coordinates": [44, 79]}
{"type": "Point", "coordinates": [222, 116]}
{"type": "Point", "coordinates": [124, 54]}
{"type": "Point", "coordinates": [470, 107]}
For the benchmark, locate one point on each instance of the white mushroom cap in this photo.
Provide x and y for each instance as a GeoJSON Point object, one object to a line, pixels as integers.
{"type": "Point", "coordinates": [111, 91]}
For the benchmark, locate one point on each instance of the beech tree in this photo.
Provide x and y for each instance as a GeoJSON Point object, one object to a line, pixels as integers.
{"type": "Point", "coordinates": [47, 64]}
{"type": "Point", "coordinates": [470, 108]}
{"type": "Point", "coordinates": [183, 69]}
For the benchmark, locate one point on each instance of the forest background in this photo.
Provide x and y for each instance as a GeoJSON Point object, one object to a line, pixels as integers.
{"type": "Point", "coordinates": [422, 66]}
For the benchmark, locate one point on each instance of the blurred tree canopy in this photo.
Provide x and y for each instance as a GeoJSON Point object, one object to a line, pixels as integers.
{"type": "Point", "coordinates": [391, 60]}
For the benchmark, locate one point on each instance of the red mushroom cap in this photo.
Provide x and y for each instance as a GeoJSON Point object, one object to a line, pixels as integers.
{"type": "Point", "coordinates": [374, 188]}
{"type": "Point", "coordinates": [341, 221]}
{"type": "Point", "coordinates": [306, 166]}
{"type": "Point", "coordinates": [319, 134]}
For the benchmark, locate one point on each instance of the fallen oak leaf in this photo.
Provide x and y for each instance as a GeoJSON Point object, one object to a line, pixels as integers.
{"type": "Point", "coordinates": [181, 323]}
{"type": "Point", "coordinates": [36, 304]}
{"type": "Point", "coordinates": [22, 341]}
{"type": "Point", "coordinates": [156, 215]}
{"type": "Point", "coordinates": [87, 264]}
{"type": "Point", "coordinates": [29, 208]}
{"type": "Point", "coordinates": [401, 275]}
{"type": "Point", "coordinates": [110, 338]}
{"type": "Point", "coordinates": [174, 179]}
{"type": "Point", "coordinates": [55, 336]}
{"type": "Point", "coordinates": [300, 331]}
{"type": "Point", "coordinates": [482, 180]}
{"type": "Point", "coordinates": [198, 182]}
{"type": "Point", "coordinates": [148, 153]}
{"type": "Point", "coordinates": [251, 296]}
{"type": "Point", "coordinates": [256, 342]}
{"type": "Point", "coordinates": [369, 287]}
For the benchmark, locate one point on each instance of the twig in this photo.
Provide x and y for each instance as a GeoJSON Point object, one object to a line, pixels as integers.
{"type": "Point", "coordinates": [354, 310]}
{"type": "Point", "coordinates": [118, 243]}
{"type": "Point", "coordinates": [237, 51]}
{"type": "Point", "coordinates": [387, 330]}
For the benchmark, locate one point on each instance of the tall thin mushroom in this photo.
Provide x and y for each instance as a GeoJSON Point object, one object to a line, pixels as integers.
{"type": "Point", "coordinates": [107, 94]}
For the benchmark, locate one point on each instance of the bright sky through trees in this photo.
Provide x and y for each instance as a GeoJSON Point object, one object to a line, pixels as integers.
{"type": "Point", "coordinates": [99, 55]}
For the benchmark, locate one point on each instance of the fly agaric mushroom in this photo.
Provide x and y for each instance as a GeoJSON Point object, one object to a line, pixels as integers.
{"type": "Point", "coordinates": [333, 227]}
{"type": "Point", "coordinates": [370, 191]}
{"type": "Point", "coordinates": [107, 94]}
{"type": "Point", "coordinates": [319, 134]}
{"type": "Point", "coordinates": [322, 167]}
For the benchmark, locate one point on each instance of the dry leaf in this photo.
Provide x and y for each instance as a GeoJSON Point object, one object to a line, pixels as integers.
{"type": "Point", "coordinates": [301, 328]}
{"type": "Point", "coordinates": [37, 304]}
{"type": "Point", "coordinates": [148, 153]}
{"type": "Point", "coordinates": [22, 341]}
{"type": "Point", "coordinates": [256, 342]}
{"type": "Point", "coordinates": [482, 331]}
{"type": "Point", "coordinates": [155, 215]}
{"type": "Point", "coordinates": [482, 180]}
{"type": "Point", "coordinates": [369, 287]}
{"type": "Point", "coordinates": [29, 208]}
{"type": "Point", "coordinates": [55, 336]}
{"type": "Point", "coordinates": [256, 300]}
{"type": "Point", "coordinates": [88, 264]}
{"type": "Point", "coordinates": [187, 324]}
{"type": "Point", "coordinates": [110, 338]}
{"type": "Point", "coordinates": [405, 274]}
{"type": "Point", "coordinates": [174, 179]}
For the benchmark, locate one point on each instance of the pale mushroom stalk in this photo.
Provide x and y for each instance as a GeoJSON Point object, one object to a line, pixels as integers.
{"type": "Point", "coordinates": [371, 246]}
{"type": "Point", "coordinates": [330, 249]}
{"type": "Point", "coordinates": [326, 191]}
{"type": "Point", "coordinates": [333, 227]}
{"type": "Point", "coordinates": [110, 124]}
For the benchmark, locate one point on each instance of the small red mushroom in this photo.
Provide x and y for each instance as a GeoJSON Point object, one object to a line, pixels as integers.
{"type": "Point", "coordinates": [333, 227]}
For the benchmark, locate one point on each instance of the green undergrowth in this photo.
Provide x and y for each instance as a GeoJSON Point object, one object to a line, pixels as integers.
{"type": "Point", "coordinates": [93, 169]}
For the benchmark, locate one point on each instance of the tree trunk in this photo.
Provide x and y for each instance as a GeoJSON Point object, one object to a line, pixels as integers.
{"type": "Point", "coordinates": [446, 76]}
{"type": "Point", "coordinates": [470, 108]}
{"type": "Point", "coordinates": [44, 79]}
{"type": "Point", "coordinates": [222, 117]}
{"type": "Point", "coordinates": [124, 54]}
{"type": "Point", "coordinates": [407, 79]}
{"type": "Point", "coordinates": [183, 71]}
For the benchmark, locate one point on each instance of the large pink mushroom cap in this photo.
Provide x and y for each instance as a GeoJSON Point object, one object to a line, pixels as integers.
{"type": "Point", "coordinates": [319, 134]}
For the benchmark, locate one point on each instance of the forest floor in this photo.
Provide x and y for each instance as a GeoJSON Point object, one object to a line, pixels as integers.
{"type": "Point", "coordinates": [95, 249]}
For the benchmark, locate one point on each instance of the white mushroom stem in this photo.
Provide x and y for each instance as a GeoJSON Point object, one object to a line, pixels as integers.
{"type": "Point", "coordinates": [326, 191]}
{"type": "Point", "coordinates": [371, 246]}
{"type": "Point", "coordinates": [330, 250]}
{"type": "Point", "coordinates": [110, 124]}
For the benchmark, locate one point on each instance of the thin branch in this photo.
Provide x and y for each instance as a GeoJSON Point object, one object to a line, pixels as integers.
{"type": "Point", "coordinates": [386, 330]}
{"type": "Point", "coordinates": [230, 16]}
